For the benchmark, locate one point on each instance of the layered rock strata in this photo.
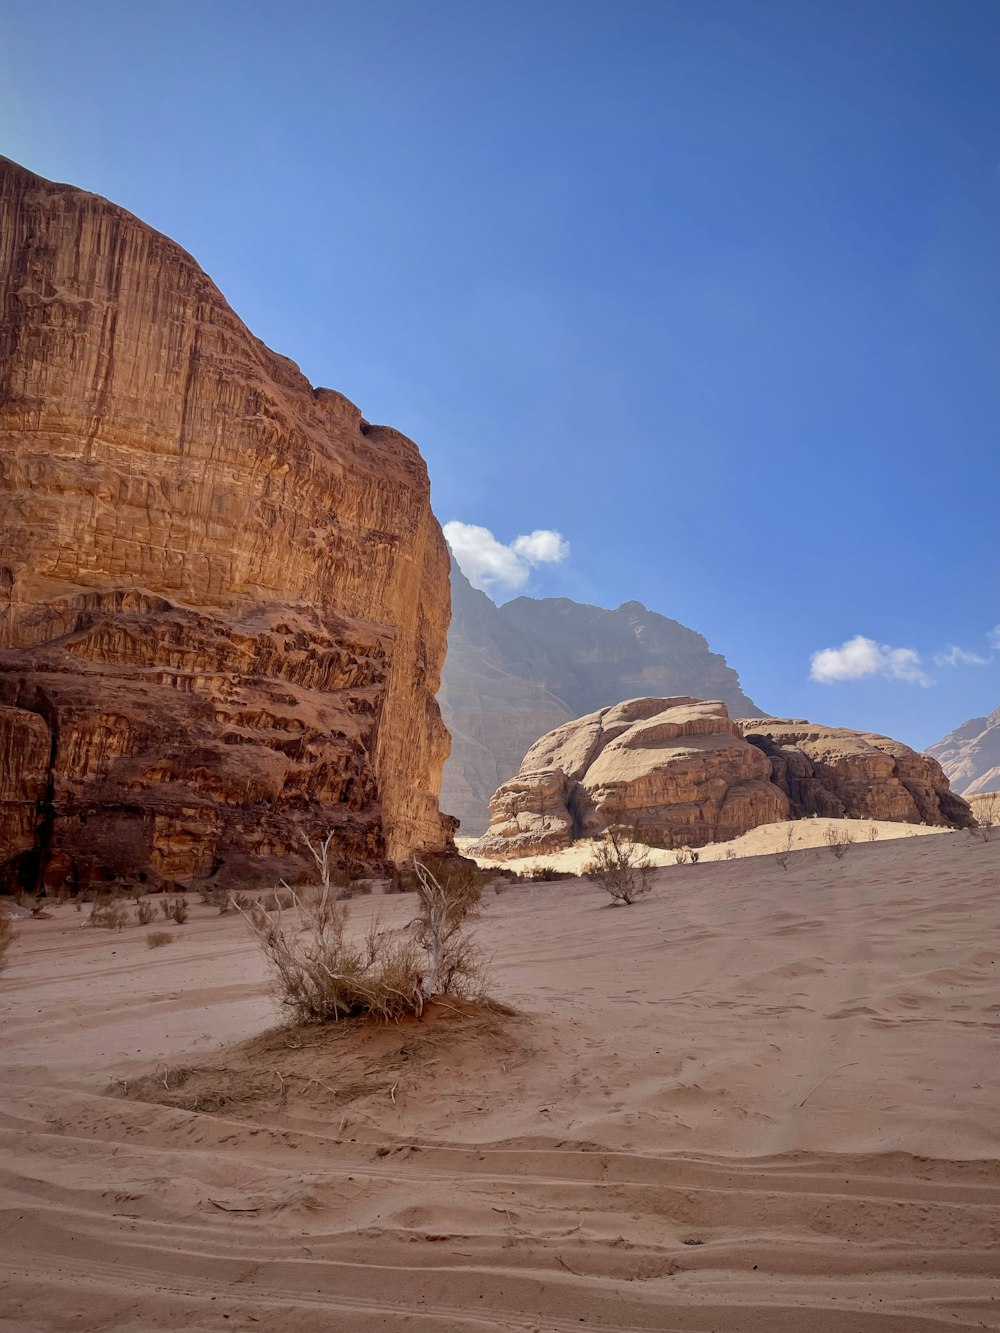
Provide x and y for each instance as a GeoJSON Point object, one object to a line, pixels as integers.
{"type": "Point", "coordinates": [681, 772]}
{"type": "Point", "coordinates": [515, 671]}
{"type": "Point", "coordinates": [225, 596]}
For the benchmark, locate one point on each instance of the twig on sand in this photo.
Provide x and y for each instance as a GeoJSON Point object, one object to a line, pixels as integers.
{"type": "Point", "coordinates": [565, 1265]}
{"type": "Point", "coordinates": [232, 1208]}
{"type": "Point", "coordinates": [829, 1073]}
{"type": "Point", "coordinates": [504, 1210]}
{"type": "Point", "coordinates": [392, 1092]}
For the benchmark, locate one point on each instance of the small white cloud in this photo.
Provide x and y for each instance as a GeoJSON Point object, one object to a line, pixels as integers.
{"type": "Point", "coordinates": [995, 637]}
{"type": "Point", "coordinates": [860, 657]}
{"type": "Point", "coordinates": [488, 563]}
{"type": "Point", "coordinates": [953, 656]}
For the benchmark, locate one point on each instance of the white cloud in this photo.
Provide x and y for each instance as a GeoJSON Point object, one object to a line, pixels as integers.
{"type": "Point", "coordinates": [953, 656]}
{"type": "Point", "coordinates": [860, 657]}
{"type": "Point", "coordinates": [488, 563]}
{"type": "Point", "coordinates": [995, 637]}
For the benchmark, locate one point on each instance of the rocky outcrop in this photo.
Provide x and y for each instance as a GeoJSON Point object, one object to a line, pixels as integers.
{"type": "Point", "coordinates": [681, 772]}
{"type": "Point", "coordinates": [225, 597]}
{"type": "Point", "coordinates": [970, 755]}
{"type": "Point", "coordinates": [515, 671]}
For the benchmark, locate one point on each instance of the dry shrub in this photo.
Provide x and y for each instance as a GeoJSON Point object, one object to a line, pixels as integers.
{"type": "Point", "coordinates": [873, 834]}
{"type": "Point", "coordinates": [7, 935]}
{"type": "Point", "coordinates": [536, 874]}
{"type": "Point", "coordinates": [839, 841]}
{"type": "Point", "coordinates": [145, 911]}
{"type": "Point", "coordinates": [402, 880]}
{"type": "Point", "coordinates": [621, 866]}
{"type": "Point", "coordinates": [322, 976]}
{"type": "Point", "coordinates": [108, 914]}
{"type": "Point", "coordinates": [157, 938]}
{"type": "Point", "coordinates": [730, 854]}
{"type": "Point", "coordinates": [685, 856]}
{"type": "Point", "coordinates": [782, 856]}
{"type": "Point", "coordinates": [987, 817]}
{"type": "Point", "coordinates": [174, 909]}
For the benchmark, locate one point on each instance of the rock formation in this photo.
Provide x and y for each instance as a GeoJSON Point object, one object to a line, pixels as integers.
{"type": "Point", "coordinates": [970, 755]}
{"type": "Point", "coordinates": [682, 772]}
{"type": "Point", "coordinates": [225, 597]}
{"type": "Point", "coordinates": [517, 670]}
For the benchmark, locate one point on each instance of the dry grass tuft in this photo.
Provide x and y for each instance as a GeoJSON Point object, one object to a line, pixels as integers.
{"type": "Point", "coordinates": [108, 914]}
{"type": "Point", "coordinates": [156, 939]}
{"type": "Point", "coordinates": [839, 841]}
{"type": "Point", "coordinates": [322, 975]}
{"type": "Point", "coordinates": [145, 911]}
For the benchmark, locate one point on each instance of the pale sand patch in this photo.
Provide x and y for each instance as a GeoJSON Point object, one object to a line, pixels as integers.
{"type": "Point", "coordinates": [759, 1101]}
{"type": "Point", "coordinates": [762, 841]}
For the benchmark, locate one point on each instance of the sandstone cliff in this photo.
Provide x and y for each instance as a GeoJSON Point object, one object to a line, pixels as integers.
{"type": "Point", "coordinates": [514, 672]}
{"type": "Point", "coordinates": [225, 597]}
{"type": "Point", "coordinates": [682, 772]}
{"type": "Point", "coordinates": [970, 755]}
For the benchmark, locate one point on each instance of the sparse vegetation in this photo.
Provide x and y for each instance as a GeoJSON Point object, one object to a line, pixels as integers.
{"type": "Point", "coordinates": [323, 976]}
{"type": "Point", "coordinates": [873, 834]}
{"type": "Point", "coordinates": [174, 909]}
{"type": "Point", "coordinates": [782, 856]}
{"type": "Point", "coordinates": [7, 935]}
{"type": "Point", "coordinates": [145, 911]}
{"type": "Point", "coordinates": [730, 854]}
{"type": "Point", "coordinates": [839, 841]}
{"type": "Point", "coordinates": [621, 866]}
{"type": "Point", "coordinates": [685, 856]}
{"type": "Point", "coordinates": [987, 817]}
{"type": "Point", "coordinates": [108, 914]}
{"type": "Point", "coordinates": [156, 939]}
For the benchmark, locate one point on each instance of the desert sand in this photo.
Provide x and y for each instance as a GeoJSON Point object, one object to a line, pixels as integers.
{"type": "Point", "coordinates": [759, 1099]}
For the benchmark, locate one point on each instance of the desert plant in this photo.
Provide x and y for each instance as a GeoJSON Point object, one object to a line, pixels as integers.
{"type": "Point", "coordinates": [872, 834]}
{"type": "Point", "coordinates": [730, 854]}
{"type": "Point", "coordinates": [145, 911]}
{"type": "Point", "coordinates": [176, 910]}
{"type": "Point", "coordinates": [987, 817]}
{"type": "Point", "coordinates": [108, 914]}
{"type": "Point", "coordinates": [320, 976]}
{"type": "Point", "coordinates": [838, 840]}
{"type": "Point", "coordinates": [156, 939]}
{"type": "Point", "coordinates": [448, 899]}
{"type": "Point", "coordinates": [621, 865]}
{"type": "Point", "coordinates": [7, 935]}
{"type": "Point", "coordinates": [782, 856]}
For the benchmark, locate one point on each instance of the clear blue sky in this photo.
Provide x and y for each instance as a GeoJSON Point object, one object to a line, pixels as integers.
{"type": "Point", "coordinates": [712, 289]}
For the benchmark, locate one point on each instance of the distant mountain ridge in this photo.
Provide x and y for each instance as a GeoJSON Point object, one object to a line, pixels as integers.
{"type": "Point", "coordinates": [514, 672]}
{"type": "Point", "coordinates": [970, 755]}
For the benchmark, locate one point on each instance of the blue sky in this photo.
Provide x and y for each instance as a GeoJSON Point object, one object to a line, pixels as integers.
{"type": "Point", "coordinates": [710, 289]}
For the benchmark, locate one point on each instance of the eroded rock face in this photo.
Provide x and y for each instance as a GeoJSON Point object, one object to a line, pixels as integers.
{"type": "Point", "coordinates": [515, 671]}
{"type": "Point", "coordinates": [225, 597]}
{"type": "Point", "coordinates": [683, 773]}
{"type": "Point", "coordinates": [970, 755]}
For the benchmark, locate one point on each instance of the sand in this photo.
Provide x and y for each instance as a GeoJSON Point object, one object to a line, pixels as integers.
{"type": "Point", "coordinates": [760, 1099]}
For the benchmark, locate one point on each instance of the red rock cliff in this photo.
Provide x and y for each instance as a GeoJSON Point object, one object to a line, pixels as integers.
{"type": "Point", "coordinates": [224, 594]}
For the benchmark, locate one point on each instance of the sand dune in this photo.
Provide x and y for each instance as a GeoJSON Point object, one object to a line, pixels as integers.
{"type": "Point", "coordinates": [761, 1099]}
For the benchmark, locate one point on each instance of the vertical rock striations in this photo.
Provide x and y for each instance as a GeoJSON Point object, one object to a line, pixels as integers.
{"type": "Point", "coordinates": [225, 597]}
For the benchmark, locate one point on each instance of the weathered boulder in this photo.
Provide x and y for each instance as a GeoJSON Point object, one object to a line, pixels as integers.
{"type": "Point", "coordinates": [225, 594]}
{"type": "Point", "coordinates": [515, 671]}
{"type": "Point", "coordinates": [681, 772]}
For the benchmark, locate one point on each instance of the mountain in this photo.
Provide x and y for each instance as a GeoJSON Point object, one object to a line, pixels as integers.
{"type": "Point", "coordinates": [970, 755]}
{"type": "Point", "coordinates": [517, 671]}
{"type": "Point", "coordinates": [225, 596]}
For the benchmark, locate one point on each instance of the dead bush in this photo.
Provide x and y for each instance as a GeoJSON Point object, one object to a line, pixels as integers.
{"type": "Point", "coordinates": [174, 909]}
{"type": "Point", "coordinates": [7, 935]}
{"type": "Point", "coordinates": [839, 841]}
{"type": "Point", "coordinates": [987, 816]}
{"type": "Point", "coordinates": [685, 856]}
{"type": "Point", "coordinates": [108, 914]}
{"type": "Point", "coordinates": [145, 911]}
{"type": "Point", "coordinates": [323, 976]}
{"type": "Point", "coordinates": [156, 939]}
{"type": "Point", "coordinates": [450, 896]}
{"type": "Point", "coordinates": [873, 834]}
{"type": "Point", "coordinates": [621, 866]}
{"type": "Point", "coordinates": [730, 854]}
{"type": "Point", "coordinates": [782, 856]}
